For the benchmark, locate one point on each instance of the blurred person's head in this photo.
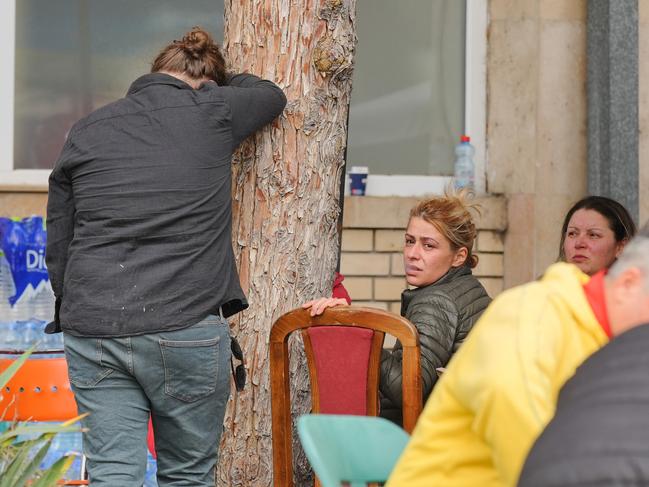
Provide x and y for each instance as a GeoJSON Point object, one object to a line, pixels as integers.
{"type": "Point", "coordinates": [594, 232]}
{"type": "Point", "coordinates": [439, 236]}
{"type": "Point", "coordinates": [627, 285]}
{"type": "Point", "coordinates": [195, 58]}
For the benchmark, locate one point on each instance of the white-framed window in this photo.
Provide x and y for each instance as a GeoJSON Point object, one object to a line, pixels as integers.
{"type": "Point", "coordinates": [7, 57]}
{"type": "Point", "coordinates": [419, 84]}
{"type": "Point", "coordinates": [26, 59]}
{"type": "Point", "coordinates": [69, 57]}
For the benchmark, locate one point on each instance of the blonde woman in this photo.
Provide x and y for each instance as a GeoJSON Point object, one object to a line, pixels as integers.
{"type": "Point", "coordinates": [445, 299]}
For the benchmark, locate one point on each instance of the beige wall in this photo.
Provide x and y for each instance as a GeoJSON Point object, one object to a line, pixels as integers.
{"type": "Point", "coordinates": [22, 204]}
{"type": "Point", "coordinates": [372, 243]}
{"type": "Point", "coordinates": [644, 109]}
{"type": "Point", "coordinates": [536, 143]}
{"type": "Point", "coordinates": [536, 123]}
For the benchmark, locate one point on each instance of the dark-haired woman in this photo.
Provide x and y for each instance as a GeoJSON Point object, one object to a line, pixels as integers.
{"type": "Point", "coordinates": [594, 232]}
{"type": "Point", "coordinates": [140, 259]}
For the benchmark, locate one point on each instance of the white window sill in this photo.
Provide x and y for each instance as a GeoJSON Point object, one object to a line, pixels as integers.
{"type": "Point", "coordinates": [403, 185]}
{"type": "Point", "coordinates": [32, 180]}
{"type": "Point", "coordinates": [24, 180]}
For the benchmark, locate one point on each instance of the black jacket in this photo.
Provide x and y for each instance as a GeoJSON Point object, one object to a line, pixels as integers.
{"type": "Point", "coordinates": [139, 210]}
{"type": "Point", "coordinates": [599, 435]}
{"type": "Point", "coordinates": [443, 313]}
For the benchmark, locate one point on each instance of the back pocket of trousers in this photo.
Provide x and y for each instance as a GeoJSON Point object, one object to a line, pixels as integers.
{"type": "Point", "coordinates": [191, 368]}
{"type": "Point", "coordinates": [83, 356]}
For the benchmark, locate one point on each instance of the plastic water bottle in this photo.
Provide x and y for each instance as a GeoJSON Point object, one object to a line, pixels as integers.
{"type": "Point", "coordinates": [71, 444]}
{"type": "Point", "coordinates": [53, 454]}
{"type": "Point", "coordinates": [30, 333]}
{"type": "Point", "coordinates": [65, 444]}
{"type": "Point", "coordinates": [12, 241]}
{"type": "Point", "coordinates": [150, 479]}
{"type": "Point", "coordinates": [42, 301]}
{"type": "Point", "coordinates": [464, 169]}
{"type": "Point", "coordinates": [9, 339]}
{"type": "Point", "coordinates": [7, 290]}
{"type": "Point", "coordinates": [12, 338]}
{"type": "Point", "coordinates": [53, 341]}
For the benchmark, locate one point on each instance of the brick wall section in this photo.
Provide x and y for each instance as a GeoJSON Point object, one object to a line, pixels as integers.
{"type": "Point", "coordinates": [372, 241]}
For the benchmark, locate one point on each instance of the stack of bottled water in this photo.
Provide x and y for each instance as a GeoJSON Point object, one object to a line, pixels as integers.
{"type": "Point", "coordinates": [7, 290]}
{"type": "Point", "coordinates": [151, 471]}
{"type": "Point", "coordinates": [26, 297]}
{"type": "Point", "coordinates": [71, 444]}
{"type": "Point", "coordinates": [17, 336]}
{"type": "Point", "coordinates": [65, 444]}
{"type": "Point", "coordinates": [26, 306]}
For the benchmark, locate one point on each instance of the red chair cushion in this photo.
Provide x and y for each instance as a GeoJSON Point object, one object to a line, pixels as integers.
{"type": "Point", "coordinates": [341, 355]}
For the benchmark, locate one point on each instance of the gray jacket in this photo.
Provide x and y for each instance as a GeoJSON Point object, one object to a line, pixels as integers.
{"type": "Point", "coordinates": [443, 312]}
{"type": "Point", "coordinates": [139, 213]}
{"type": "Point", "coordinates": [599, 435]}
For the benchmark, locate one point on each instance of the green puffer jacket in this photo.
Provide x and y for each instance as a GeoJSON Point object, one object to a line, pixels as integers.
{"type": "Point", "coordinates": [443, 312]}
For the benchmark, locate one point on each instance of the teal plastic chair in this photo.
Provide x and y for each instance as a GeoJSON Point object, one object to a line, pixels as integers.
{"type": "Point", "coordinates": [353, 449]}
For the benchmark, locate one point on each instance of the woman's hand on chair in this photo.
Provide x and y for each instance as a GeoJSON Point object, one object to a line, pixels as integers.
{"type": "Point", "coordinates": [319, 305]}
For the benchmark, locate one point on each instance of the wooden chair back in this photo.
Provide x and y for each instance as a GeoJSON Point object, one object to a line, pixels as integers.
{"type": "Point", "coordinates": [370, 325]}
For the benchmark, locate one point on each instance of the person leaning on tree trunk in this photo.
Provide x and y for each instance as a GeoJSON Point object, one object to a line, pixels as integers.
{"type": "Point", "coordinates": [140, 258]}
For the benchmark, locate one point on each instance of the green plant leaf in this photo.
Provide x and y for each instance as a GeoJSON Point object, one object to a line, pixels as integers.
{"type": "Point", "coordinates": [13, 468]}
{"type": "Point", "coordinates": [18, 464]}
{"type": "Point", "coordinates": [55, 472]}
{"type": "Point", "coordinates": [32, 465]}
{"type": "Point", "coordinates": [11, 370]}
{"type": "Point", "coordinates": [49, 429]}
{"type": "Point", "coordinates": [22, 464]}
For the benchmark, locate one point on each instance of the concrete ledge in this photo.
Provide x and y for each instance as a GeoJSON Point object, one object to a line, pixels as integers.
{"type": "Point", "coordinates": [20, 205]}
{"type": "Point", "coordinates": [22, 188]}
{"type": "Point", "coordinates": [393, 211]}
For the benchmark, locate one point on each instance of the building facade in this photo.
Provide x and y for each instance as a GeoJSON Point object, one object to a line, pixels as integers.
{"type": "Point", "coordinates": [525, 101]}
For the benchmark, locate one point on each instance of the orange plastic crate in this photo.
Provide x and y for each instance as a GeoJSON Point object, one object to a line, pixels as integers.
{"type": "Point", "coordinates": [39, 391]}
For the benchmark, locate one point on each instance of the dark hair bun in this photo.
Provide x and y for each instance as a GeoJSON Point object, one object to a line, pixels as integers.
{"type": "Point", "coordinates": [196, 42]}
{"type": "Point", "coordinates": [196, 56]}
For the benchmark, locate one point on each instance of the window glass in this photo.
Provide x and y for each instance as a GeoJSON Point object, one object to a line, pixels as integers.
{"type": "Point", "coordinates": [407, 103]}
{"type": "Point", "coordinates": [73, 56]}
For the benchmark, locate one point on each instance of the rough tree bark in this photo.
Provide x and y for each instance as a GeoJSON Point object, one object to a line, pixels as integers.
{"type": "Point", "coordinates": [286, 198]}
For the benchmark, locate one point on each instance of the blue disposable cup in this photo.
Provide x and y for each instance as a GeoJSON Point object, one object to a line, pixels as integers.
{"type": "Point", "coordinates": [357, 180]}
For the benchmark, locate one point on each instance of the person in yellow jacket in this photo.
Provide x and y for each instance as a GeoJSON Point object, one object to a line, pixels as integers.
{"type": "Point", "coordinates": [501, 388]}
